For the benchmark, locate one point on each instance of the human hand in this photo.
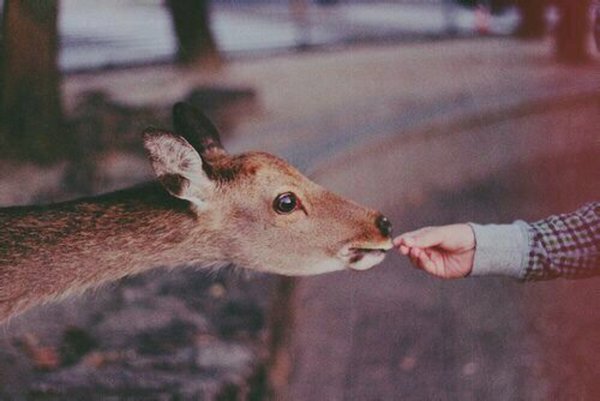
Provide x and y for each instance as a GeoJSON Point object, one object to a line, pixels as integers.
{"type": "Point", "coordinates": [445, 251]}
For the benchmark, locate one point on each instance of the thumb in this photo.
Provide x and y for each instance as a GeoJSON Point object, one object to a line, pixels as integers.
{"type": "Point", "coordinates": [423, 238]}
{"type": "Point", "coordinates": [453, 236]}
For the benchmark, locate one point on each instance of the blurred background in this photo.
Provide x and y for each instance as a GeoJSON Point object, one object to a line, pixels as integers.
{"type": "Point", "coordinates": [433, 111]}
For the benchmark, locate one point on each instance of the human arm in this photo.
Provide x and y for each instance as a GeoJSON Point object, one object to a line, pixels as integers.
{"type": "Point", "coordinates": [566, 245]}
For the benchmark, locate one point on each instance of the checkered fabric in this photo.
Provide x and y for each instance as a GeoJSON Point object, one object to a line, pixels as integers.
{"type": "Point", "coordinates": [566, 245]}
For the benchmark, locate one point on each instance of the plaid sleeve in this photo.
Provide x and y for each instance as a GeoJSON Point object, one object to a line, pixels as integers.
{"type": "Point", "coordinates": [565, 245]}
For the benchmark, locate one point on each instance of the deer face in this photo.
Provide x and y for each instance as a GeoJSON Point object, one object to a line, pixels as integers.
{"type": "Point", "coordinates": [265, 214]}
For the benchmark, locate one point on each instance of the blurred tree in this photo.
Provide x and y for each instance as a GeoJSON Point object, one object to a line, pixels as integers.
{"type": "Point", "coordinates": [30, 106]}
{"type": "Point", "coordinates": [533, 22]}
{"type": "Point", "coordinates": [191, 22]}
{"type": "Point", "coordinates": [572, 33]}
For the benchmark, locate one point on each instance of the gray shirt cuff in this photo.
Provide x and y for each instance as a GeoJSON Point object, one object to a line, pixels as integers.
{"type": "Point", "coordinates": [500, 249]}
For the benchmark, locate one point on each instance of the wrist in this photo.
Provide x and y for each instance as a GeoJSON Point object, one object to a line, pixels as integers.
{"type": "Point", "coordinates": [499, 249]}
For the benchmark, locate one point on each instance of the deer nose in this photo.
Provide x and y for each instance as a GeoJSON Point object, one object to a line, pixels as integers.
{"type": "Point", "coordinates": [384, 225]}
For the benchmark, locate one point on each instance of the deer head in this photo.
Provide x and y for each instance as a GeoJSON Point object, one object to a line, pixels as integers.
{"type": "Point", "coordinates": [265, 214]}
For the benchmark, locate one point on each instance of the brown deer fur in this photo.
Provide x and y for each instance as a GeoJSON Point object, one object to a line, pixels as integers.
{"type": "Point", "coordinates": [207, 209]}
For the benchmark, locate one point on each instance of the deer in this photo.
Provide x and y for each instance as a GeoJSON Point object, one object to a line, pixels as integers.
{"type": "Point", "coordinates": [205, 208]}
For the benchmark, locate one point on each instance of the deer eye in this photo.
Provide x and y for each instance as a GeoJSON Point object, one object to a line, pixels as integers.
{"type": "Point", "coordinates": [285, 203]}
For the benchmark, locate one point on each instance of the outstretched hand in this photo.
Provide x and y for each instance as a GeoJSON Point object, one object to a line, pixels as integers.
{"type": "Point", "coordinates": [445, 251]}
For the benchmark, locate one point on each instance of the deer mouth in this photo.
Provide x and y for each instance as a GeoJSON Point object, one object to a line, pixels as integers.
{"type": "Point", "coordinates": [359, 252]}
{"type": "Point", "coordinates": [364, 258]}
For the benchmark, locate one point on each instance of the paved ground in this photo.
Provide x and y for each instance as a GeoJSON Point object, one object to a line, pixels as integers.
{"type": "Point", "coordinates": [394, 334]}
{"type": "Point", "coordinates": [483, 130]}
{"type": "Point", "coordinates": [466, 130]}
{"type": "Point", "coordinates": [507, 135]}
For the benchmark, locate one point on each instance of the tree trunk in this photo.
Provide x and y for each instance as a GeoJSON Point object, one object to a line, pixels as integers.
{"type": "Point", "coordinates": [533, 23]}
{"type": "Point", "coordinates": [30, 107]}
{"type": "Point", "coordinates": [572, 31]}
{"type": "Point", "coordinates": [191, 22]}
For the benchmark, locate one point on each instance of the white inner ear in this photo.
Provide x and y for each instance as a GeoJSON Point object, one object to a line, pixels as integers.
{"type": "Point", "coordinates": [173, 156]}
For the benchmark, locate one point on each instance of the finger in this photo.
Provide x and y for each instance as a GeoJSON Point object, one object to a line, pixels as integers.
{"type": "Point", "coordinates": [415, 262]}
{"type": "Point", "coordinates": [399, 240]}
{"type": "Point", "coordinates": [403, 249]}
{"type": "Point", "coordinates": [450, 237]}
{"type": "Point", "coordinates": [408, 238]}
{"type": "Point", "coordinates": [423, 238]}
{"type": "Point", "coordinates": [428, 262]}
{"type": "Point", "coordinates": [416, 257]}
{"type": "Point", "coordinates": [421, 257]}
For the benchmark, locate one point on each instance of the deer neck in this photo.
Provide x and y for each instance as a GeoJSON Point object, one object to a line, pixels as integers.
{"type": "Point", "coordinates": [49, 251]}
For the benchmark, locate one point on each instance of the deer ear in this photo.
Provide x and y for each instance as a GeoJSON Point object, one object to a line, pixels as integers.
{"type": "Point", "coordinates": [177, 166]}
{"type": "Point", "coordinates": [197, 129]}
